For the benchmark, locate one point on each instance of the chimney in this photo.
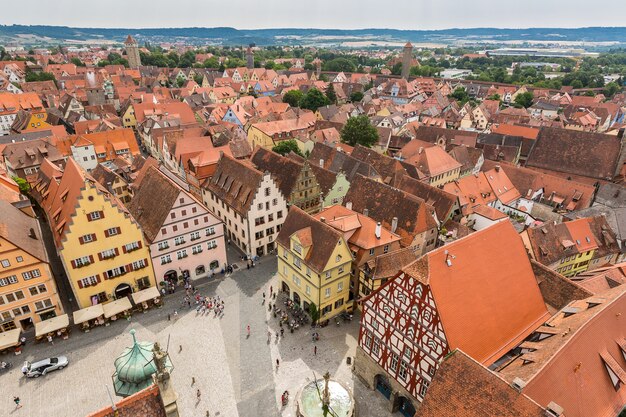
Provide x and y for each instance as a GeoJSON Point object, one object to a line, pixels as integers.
{"type": "Point", "coordinates": [554, 410]}
{"type": "Point", "coordinates": [518, 384]}
{"type": "Point", "coordinates": [497, 168]}
{"type": "Point", "coordinates": [31, 234]}
{"type": "Point", "coordinates": [321, 163]}
{"type": "Point", "coordinates": [620, 133]}
{"type": "Point", "coordinates": [394, 224]}
{"type": "Point", "coordinates": [366, 212]}
{"type": "Point", "coordinates": [323, 219]}
{"type": "Point", "coordinates": [378, 230]}
{"type": "Point", "coordinates": [349, 205]}
{"type": "Point", "coordinates": [421, 149]}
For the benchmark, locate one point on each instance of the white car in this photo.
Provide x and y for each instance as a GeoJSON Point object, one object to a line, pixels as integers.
{"type": "Point", "coordinates": [44, 367]}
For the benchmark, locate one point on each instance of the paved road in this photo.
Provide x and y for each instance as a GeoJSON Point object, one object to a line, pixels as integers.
{"type": "Point", "coordinates": [235, 374]}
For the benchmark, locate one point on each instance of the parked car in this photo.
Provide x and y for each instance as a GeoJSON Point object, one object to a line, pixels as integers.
{"type": "Point", "coordinates": [44, 367]}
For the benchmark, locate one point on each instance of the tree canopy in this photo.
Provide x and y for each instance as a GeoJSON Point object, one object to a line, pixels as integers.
{"type": "Point", "coordinates": [293, 97]}
{"type": "Point", "coordinates": [286, 146]}
{"type": "Point", "coordinates": [359, 130]}
{"type": "Point", "coordinates": [524, 99]}
{"type": "Point", "coordinates": [313, 100]}
{"type": "Point", "coordinates": [330, 94]}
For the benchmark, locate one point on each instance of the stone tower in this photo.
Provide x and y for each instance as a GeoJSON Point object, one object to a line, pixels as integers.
{"type": "Point", "coordinates": [318, 67]}
{"type": "Point", "coordinates": [407, 57]}
{"type": "Point", "coordinates": [249, 58]}
{"type": "Point", "coordinates": [132, 52]}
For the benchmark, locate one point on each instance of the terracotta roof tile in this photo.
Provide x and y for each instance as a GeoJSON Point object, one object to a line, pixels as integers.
{"type": "Point", "coordinates": [463, 387]}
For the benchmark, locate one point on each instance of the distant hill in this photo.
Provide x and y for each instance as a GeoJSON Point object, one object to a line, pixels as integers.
{"type": "Point", "coordinates": [231, 36]}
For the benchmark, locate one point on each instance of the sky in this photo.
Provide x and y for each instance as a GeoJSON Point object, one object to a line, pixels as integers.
{"type": "Point", "coordinates": [337, 14]}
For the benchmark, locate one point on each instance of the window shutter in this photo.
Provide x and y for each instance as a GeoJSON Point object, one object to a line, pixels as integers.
{"type": "Point", "coordinates": [93, 237]}
{"type": "Point", "coordinates": [129, 267]}
{"type": "Point", "coordinates": [91, 258]}
{"type": "Point", "coordinates": [118, 230]}
{"type": "Point", "coordinates": [74, 264]}
{"type": "Point", "coordinates": [89, 219]}
{"type": "Point", "coordinates": [106, 233]}
{"type": "Point", "coordinates": [80, 282]}
{"type": "Point", "coordinates": [81, 240]}
{"type": "Point", "coordinates": [99, 256]}
{"type": "Point", "coordinates": [101, 214]}
{"type": "Point", "coordinates": [98, 278]}
{"type": "Point", "coordinates": [140, 245]}
{"type": "Point", "coordinates": [145, 262]}
{"type": "Point", "coordinates": [123, 249]}
{"type": "Point", "coordinates": [117, 252]}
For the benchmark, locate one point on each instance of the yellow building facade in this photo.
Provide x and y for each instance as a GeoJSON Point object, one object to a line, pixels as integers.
{"type": "Point", "coordinates": [101, 246]}
{"type": "Point", "coordinates": [28, 292]}
{"type": "Point", "coordinates": [326, 287]}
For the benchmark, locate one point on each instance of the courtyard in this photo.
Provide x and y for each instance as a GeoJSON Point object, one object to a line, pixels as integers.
{"type": "Point", "coordinates": [236, 374]}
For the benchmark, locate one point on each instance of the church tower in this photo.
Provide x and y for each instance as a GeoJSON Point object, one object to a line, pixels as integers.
{"type": "Point", "coordinates": [407, 57]}
{"type": "Point", "coordinates": [132, 52]}
{"type": "Point", "coordinates": [249, 58]}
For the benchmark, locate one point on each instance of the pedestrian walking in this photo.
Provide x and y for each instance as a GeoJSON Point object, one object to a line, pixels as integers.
{"type": "Point", "coordinates": [50, 340]}
{"type": "Point", "coordinates": [269, 336]}
{"type": "Point", "coordinates": [315, 350]}
{"type": "Point", "coordinates": [198, 394]}
{"type": "Point", "coordinates": [193, 380]}
{"type": "Point", "coordinates": [17, 400]}
{"type": "Point", "coordinates": [248, 329]}
{"type": "Point", "coordinates": [282, 331]}
{"type": "Point", "coordinates": [180, 348]}
{"type": "Point", "coordinates": [271, 290]}
{"type": "Point", "coordinates": [277, 364]}
{"type": "Point", "coordinates": [175, 314]}
{"type": "Point", "coordinates": [169, 317]}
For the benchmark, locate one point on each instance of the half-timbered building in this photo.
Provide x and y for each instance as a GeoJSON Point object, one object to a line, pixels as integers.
{"type": "Point", "coordinates": [478, 294]}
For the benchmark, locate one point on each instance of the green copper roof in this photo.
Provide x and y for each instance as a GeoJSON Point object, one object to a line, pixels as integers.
{"type": "Point", "coordinates": [134, 368]}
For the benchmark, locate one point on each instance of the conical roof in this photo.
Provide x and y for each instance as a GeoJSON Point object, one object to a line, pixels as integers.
{"type": "Point", "coordinates": [134, 368]}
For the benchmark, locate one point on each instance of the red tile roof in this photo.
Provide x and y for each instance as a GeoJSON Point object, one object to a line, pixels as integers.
{"type": "Point", "coordinates": [487, 298]}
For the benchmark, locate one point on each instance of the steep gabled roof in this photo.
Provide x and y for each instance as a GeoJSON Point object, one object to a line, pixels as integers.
{"type": "Point", "coordinates": [236, 183]}
{"type": "Point", "coordinates": [592, 155]}
{"type": "Point", "coordinates": [463, 387]}
{"type": "Point", "coordinates": [383, 203]}
{"type": "Point", "coordinates": [321, 237]}
{"type": "Point", "coordinates": [285, 171]}
{"type": "Point", "coordinates": [443, 202]}
{"type": "Point", "coordinates": [485, 291]}
{"type": "Point", "coordinates": [571, 367]}
{"type": "Point", "coordinates": [153, 201]}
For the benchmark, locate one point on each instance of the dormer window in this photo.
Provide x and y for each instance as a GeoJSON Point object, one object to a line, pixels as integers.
{"type": "Point", "coordinates": [615, 371]}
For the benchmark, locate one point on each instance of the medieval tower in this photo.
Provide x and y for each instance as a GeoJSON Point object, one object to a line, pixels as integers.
{"type": "Point", "coordinates": [249, 58]}
{"type": "Point", "coordinates": [407, 57]}
{"type": "Point", "coordinates": [132, 52]}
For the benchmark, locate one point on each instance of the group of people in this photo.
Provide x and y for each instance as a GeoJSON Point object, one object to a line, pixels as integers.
{"type": "Point", "coordinates": [206, 304]}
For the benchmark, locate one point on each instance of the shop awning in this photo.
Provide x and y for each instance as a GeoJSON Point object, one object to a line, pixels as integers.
{"type": "Point", "coordinates": [116, 307]}
{"type": "Point", "coordinates": [145, 295]}
{"type": "Point", "coordinates": [51, 325]}
{"type": "Point", "coordinates": [89, 313]}
{"type": "Point", "coordinates": [9, 338]}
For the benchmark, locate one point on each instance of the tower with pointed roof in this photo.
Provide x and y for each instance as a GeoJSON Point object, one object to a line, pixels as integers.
{"type": "Point", "coordinates": [249, 58]}
{"type": "Point", "coordinates": [132, 52]}
{"type": "Point", "coordinates": [407, 56]}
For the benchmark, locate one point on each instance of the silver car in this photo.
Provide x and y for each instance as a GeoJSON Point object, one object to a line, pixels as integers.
{"type": "Point", "coordinates": [44, 367]}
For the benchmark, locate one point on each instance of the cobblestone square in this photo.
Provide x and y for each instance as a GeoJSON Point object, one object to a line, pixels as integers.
{"type": "Point", "coordinates": [235, 374]}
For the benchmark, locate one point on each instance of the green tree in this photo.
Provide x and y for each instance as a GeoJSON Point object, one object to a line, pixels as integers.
{"type": "Point", "coordinates": [359, 130]}
{"type": "Point", "coordinates": [524, 99]}
{"type": "Point", "coordinates": [212, 62]}
{"type": "Point", "coordinates": [460, 95]}
{"type": "Point", "coordinates": [356, 96]}
{"type": "Point", "coordinates": [22, 184]}
{"type": "Point", "coordinates": [314, 313]}
{"type": "Point", "coordinates": [286, 146]}
{"type": "Point", "coordinates": [340, 64]}
{"type": "Point", "coordinates": [330, 94]}
{"type": "Point", "coordinates": [611, 88]}
{"type": "Point", "coordinates": [77, 62]}
{"type": "Point", "coordinates": [293, 97]}
{"type": "Point", "coordinates": [39, 76]}
{"type": "Point", "coordinates": [313, 100]}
